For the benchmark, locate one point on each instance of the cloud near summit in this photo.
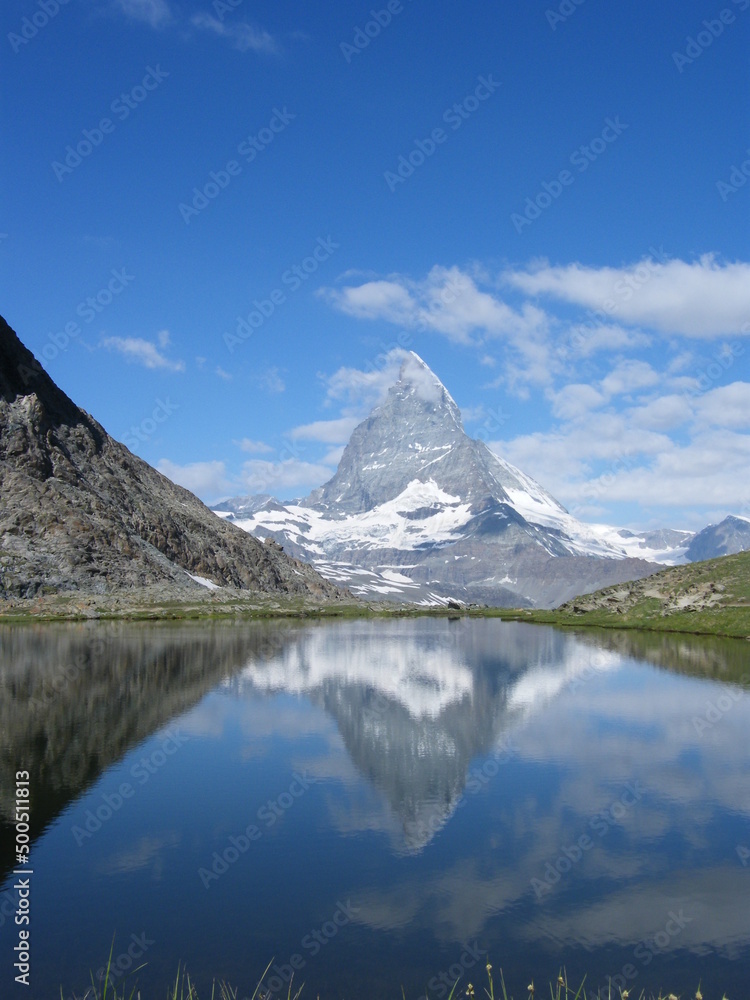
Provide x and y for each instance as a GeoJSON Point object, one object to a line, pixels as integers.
{"type": "Point", "coordinates": [640, 367]}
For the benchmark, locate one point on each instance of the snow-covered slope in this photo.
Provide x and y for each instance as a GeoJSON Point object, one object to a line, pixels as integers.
{"type": "Point", "coordinates": [418, 510]}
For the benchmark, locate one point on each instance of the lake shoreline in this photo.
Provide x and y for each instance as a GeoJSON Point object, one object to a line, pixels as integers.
{"type": "Point", "coordinates": [126, 606]}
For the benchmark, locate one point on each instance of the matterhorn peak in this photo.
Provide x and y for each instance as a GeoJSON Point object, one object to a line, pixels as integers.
{"type": "Point", "coordinates": [416, 433]}
{"type": "Point", "coordinates": [419, 383]}
{"type": "Point", "coordinates": [419, 509]}
{"type": "Point", "coordinates": [416, 373]}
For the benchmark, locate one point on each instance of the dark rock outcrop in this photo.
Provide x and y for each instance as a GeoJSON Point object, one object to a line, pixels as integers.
{"type": "Point", "coordinates": [80, 512]}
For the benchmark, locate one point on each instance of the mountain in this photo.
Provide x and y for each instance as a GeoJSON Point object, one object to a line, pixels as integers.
{"type": "Point", "coordinates": [726, 538]}
{"type": "Point", "coordinates": [417, 510]}
{"type": "Point", "coordinates": [79, 512]}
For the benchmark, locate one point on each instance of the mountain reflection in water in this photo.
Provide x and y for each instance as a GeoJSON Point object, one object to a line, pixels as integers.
{"type": "Point", "coordinates": [453, 767]}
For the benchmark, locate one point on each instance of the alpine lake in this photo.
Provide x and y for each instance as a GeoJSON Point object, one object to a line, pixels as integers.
{"type": "Point", "coordinates": [371, 806]}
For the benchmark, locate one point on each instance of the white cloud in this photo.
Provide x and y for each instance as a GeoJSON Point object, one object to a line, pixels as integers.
{"type": "Point", "coordinates": [623, 458]}
{"type": "Point", "coordinates": [223, 374]}
{"type": "Point", "coordinates": [271, 380]}
{"type": "Point", "coordinates": [333, 457]}
{"type": "Point", "coordinates": [663, 414]}
{"type": "Point", "coordinates": [447, 301]}
{"type": "Point", "coordinates": [259, 476]}
{"type": "Point", "coordinates": [586, 340]}
{"type": "Point", "coordinates": [144, 352]}
{"type": "Point", "coordinates": [326, 431]}
{"type": "Point", "coordinates": [713, 469]}
{"type": "Point", "coordinates": [156, 13]}
{"type": "Point", "coordinates": [473, 414]}
{"type": "Point", "coordinates": [375, 300]}
{"type": "Point", "coordinates": [254, 447]}
{"type": "Point", "coordinates": [727, 406]}
{"type": "Point", "coordinates": [705, 298]}
{"type": "Point", "coordinates": [628, 376]}
{"type": "Point", "coordinates": [205, 479]}
{"type": "Point", "coordinates": [242, 36]}
{"type": "Point", "coordinates": [575, 401]}
{"type": "Point", "coordinates": [364, 389]}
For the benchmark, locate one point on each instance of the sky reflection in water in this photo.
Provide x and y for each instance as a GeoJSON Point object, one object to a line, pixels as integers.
{"type": "Point", "coordinates": [377, 804]}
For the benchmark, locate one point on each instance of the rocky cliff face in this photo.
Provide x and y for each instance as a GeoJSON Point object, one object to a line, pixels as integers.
{"type": "Point", "coordinates": [79, 512]}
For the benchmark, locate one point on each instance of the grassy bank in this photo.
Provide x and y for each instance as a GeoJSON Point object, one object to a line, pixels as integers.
{"type": "Point", "coordinates": [559, 989]}
{"type": "Point", "coordinates": [704, 598]}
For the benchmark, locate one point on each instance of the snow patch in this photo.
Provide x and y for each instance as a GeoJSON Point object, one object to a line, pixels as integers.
{"type": "Point", "coordinates": [204, 582]}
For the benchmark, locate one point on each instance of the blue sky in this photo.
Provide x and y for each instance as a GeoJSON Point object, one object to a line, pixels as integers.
{"type": "Point", "coordinates": [222, 223]}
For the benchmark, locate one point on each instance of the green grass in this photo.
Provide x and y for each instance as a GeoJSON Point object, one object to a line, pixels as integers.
{"type": "Point", "coordinates": [724, 581]}
{"type": "Point", "coordinates": [559, 989]}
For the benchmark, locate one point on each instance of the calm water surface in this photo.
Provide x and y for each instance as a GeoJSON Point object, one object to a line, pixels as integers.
{"type": "Point", "coordinates": [378, 805]}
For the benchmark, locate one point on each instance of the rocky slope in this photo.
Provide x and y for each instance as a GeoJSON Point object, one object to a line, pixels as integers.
{"type": "Point", "coordinates": [711, 597]}
{"type": "Point", "coordinates": [79, 512]}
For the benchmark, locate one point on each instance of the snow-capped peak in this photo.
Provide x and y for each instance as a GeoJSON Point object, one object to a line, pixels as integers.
{"type": "Point", "coordinates": [419, 509]}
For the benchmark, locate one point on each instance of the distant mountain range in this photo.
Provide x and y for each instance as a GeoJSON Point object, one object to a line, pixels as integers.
{"type": "Point", "coordinates": [80, 513]}
{"type": "Point", "coordinates": [419, 511]}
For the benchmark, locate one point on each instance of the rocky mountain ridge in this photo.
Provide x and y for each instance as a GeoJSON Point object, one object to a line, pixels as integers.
{"type": "Point", "coordinates": [80, 513]}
